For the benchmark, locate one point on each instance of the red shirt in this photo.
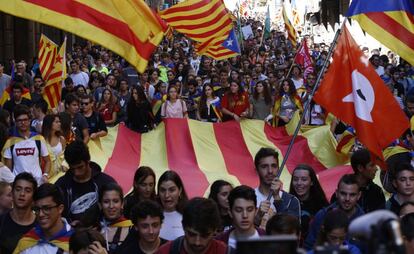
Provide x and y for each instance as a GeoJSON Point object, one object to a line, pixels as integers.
{"type": "Point", "coordinates": [240, 105]}
{"type": "Point", "coordinates": [216, 247]}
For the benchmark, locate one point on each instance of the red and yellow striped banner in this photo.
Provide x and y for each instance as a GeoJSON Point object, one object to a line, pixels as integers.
{"type": "Point", "coordinates": [127, 27]}
{"type": "Point", "coordinates": [204, 152]}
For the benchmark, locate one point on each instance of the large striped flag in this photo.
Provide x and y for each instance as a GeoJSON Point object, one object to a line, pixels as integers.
{"type": "Point", "coordinates": [290, 29]}
{"type": "Point", "coordinates": [47, 53]}
{"type": "Point", "coordinates": [207, 22]}
{"type": "Point", "coordinates": [204, 152]}
{"type": "Point", "coordinates": [222, 49]}
{"type": "Point", "coordinates": [53, 88]}
{"type": "Point", "coordinates": [390, 22]}
{"type": "Point", "coordinates": [127, 27]}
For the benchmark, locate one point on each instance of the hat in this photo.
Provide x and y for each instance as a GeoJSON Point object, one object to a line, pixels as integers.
{"type": "Point", "coordinates": [259, 28]}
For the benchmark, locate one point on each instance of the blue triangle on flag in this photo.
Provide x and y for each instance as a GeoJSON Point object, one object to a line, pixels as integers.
{"type": "Point", "coordinates": [231, 42]}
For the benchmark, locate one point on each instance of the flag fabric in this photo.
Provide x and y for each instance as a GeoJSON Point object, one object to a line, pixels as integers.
{"type": "Point", "coordinates": [47, 53]}
{"type": "Point", "coordinates": [8, 93]}
{"type": "Point", "coordinates": [209, 151]}
{"type": "Point", "coordinates": [304, 59]}
{"type": "Point", "coordinates": [290, 29]}
{"type": "Point", "coordinates": [35, 236]}
{"type": "Point", "coordinates": [267, 25]}
{"type": "Point", "coordinates": [200, 20]}
{"type": "Point", "coordinates": [208, 23]}
{"type": "Point", "coordinates": [390, 22]}
{"type": "Point", "coordinates": [129, 27]}
{"type": "Point", "coordinates": [53, 89]}
{"type": "Point", "coordinates": [352, 91]}
{"type": "Point", "coordinates": [295, 14]}
{"type": "Point", "coordinates": [222, 49]}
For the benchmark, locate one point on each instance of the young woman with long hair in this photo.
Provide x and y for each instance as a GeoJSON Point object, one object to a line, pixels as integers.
{"type": "Point", "coordinates": [172, 197]}
{"type": "Point", "coordinates": [173, 107]}
{"type": "Point", "coordinates": [286, 104]}
{"type": "Point", "coordinates": [208, 108]}
{"type": "Point", "coordinates": [143, 189]}
{"type": "Point", "coordinates": [235, 103]}
{"type": "Point", "coordinates": [108, 107]}
{"type": "Point", "coordinates": [306, 187]}
{"type": "Point", "coordinates": [219, 192]}
{"type": "Point", "coordinates": [56, 142]}
{"type": "Point", "coordinates": [114, 226]}
{"type": "Point", "coordinates": [260, 101]}
{"type": "Point", "coordinates": [139, 111]}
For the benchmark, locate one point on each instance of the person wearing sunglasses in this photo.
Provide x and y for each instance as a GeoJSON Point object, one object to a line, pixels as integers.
{"type": "Point", "coordinates": [52, 232]}
{"type": "Point", "coordinates": [96, 124]}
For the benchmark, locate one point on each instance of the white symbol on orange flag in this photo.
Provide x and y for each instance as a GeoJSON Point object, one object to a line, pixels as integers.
{"type": "Point", "coordinates": [362, 96]}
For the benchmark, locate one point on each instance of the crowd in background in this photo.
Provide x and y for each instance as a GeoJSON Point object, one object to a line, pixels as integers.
{"type": "Point", "coordinates": [102, 90]}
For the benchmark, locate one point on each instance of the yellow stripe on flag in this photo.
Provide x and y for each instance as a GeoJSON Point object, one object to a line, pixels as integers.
{"type": "Point", "coordinates": [207, 152]}
{"type": "Point", "coordinates": [388, 39]}
{"type": "Point", "coordinates": [154, 150]}
{"type": "Point", "coordinates": [322, 144]}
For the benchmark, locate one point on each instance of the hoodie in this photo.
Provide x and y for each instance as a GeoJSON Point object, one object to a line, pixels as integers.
{"type": "Point", "coordinates": [81, 197]}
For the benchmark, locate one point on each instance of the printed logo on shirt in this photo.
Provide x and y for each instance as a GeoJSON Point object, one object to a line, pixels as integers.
{"type": "Point", "coordinates": [84, 202]}
{"type": "Point", "coordinates": [25, 151]}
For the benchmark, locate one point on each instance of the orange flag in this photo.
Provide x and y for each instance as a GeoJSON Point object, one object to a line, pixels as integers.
{"type": "Point", "coordinates": [353, 92]}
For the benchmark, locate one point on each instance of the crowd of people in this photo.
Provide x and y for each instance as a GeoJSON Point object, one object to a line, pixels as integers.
{"type": "Point", "coordinates": [85, 210]}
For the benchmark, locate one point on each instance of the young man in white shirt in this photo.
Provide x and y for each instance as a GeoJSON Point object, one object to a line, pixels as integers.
{"type": "Point", "coordinates": [24, 150]}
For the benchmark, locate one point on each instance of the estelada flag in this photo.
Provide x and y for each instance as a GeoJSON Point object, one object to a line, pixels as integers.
{"type": "Point", "coordinates": [353, 92]}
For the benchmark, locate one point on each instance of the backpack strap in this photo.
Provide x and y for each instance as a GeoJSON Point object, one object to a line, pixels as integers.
{"type": "Point", "coordinates": [176, 246]}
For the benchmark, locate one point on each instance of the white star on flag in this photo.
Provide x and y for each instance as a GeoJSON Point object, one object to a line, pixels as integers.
{"type": "Point", "coordinates": [229, 43]}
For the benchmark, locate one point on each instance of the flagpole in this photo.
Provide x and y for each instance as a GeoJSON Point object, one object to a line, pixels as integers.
{"type": "Point", "coordinates": [306, 107]}
{"type": "Point", "coordinates": [261, 41]}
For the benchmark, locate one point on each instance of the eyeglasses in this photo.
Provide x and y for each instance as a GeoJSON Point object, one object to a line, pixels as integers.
{"type": "Point", "coordinates": [84, 103]}
{"type": "Point", "coordinates": [44, 209]}
{"type": "Point", "coordinates": [22, 120]}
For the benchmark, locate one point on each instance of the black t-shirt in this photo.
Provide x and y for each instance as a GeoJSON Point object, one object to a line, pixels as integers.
{"type": "Point", "coordinates": [130, 244]}
{"type": "Point", "coordinates": [81, 197]}
{"type": "Point", "coordinates": [79, 123]}
{"type": "Point", "coordinates": [11, 104]}
{"type": "Point", "coordinates": [96, 123]}
{"type": "Point", "coordinates": [10, 233]}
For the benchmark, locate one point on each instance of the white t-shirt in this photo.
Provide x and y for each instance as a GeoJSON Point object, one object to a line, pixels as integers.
{"type": "Point", "coordinates": [80, 78]}
{"type": "Point", "coordinates": [26, 157]}
{"type": "Point", "coordinates": [171, 226]}
{"type": "Point", "coordinates": [233, 241]}
{"type": "Point", "coordinates": [298, 83]}
{"type": "Point", "coordinates": [5, 174]}
{"type": "Point", "coordinates": [261, 197]}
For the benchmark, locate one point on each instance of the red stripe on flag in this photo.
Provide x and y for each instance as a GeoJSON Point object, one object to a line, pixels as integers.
{"type": "Point", "coordinates": [181, 156]}
{"type": "Point", "coordinates": [58, 91]}
{"type": "Point", "coordinates": [192, 7]}
{"type": "Point", "coordinates": [205, 24]}
{"type": "Point", "coordinates": [43, 63]}
{"type": "Point", "coordinates": [393, 27]}
{"type": "Point", "coordinates": [300, 152]}
{"type": "Point", "coordinates": [49, 96]}
{"type": "Point", "coordinates": [237, 157]}
{"type": "Point", "coordinates": [210, 33]}
{"type": "Point", "coordinates": [98, 19]}
{"type": "Point", "coordinates": [55, 75]}
{"type": "Point", "coordinates": [125, 157]}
